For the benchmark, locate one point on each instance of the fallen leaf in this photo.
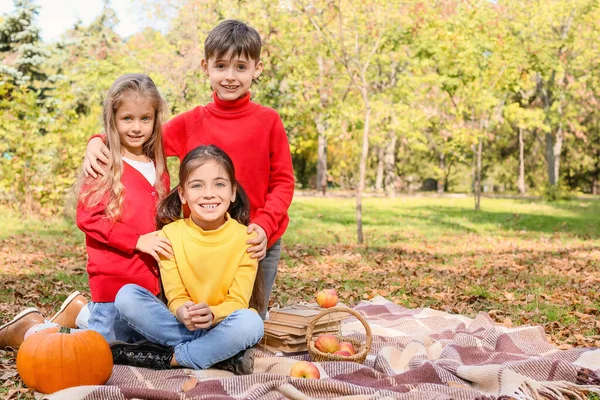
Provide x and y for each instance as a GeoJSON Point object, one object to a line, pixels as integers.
{"type": "Point", "coordinates": [8, 374]}
{"type": "Point", "coordinates": [189, 384]}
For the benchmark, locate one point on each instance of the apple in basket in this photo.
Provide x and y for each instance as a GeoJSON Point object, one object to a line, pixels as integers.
{"type": "Point", "coordinates": [342, 353]}
{"type": "Point", "coordinates": [327, 343]}
{"type": "Point", "coordinates": [327, 298]}
{"type": "Point", "coordinates": [305, 369]}
{"type": "Point", "coordinates": [347, 346]}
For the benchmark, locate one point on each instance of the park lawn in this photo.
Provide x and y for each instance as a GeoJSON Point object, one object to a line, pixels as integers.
{"type": "Point", "coordinates": [520, 261]}
{"type": "Point", "coordinates": [523, 261]}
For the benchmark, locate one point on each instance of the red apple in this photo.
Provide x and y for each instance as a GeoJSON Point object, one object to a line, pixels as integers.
{"type": "Point", "coordinates": [342, 353]}
{"type": "Point", "coordinates": [347, 346]}
{"type": "Point", "coordinates": [327, 343]}
{"type": "Point", "coordinates": [327, 298]}
{"type": "Point", "coordinates": [305, 369]}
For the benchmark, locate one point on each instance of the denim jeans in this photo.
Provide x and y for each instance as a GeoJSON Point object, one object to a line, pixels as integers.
{"type": "Point", "coordinates": [268, 268]}
{"type": "Point", "coordinates": [199, 349]}
{"type": "Point", "coordinates": [105, 319]}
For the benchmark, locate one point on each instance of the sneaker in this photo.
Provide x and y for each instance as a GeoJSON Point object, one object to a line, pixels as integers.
{"type": "Point", "coordinates": [240, 364]}
{"type": "Point", "coordinates": [12, 333]}
{"type": "Point", "coordinates": [144, 354]}
{"type": "Point", "coordinates": [68, 311]}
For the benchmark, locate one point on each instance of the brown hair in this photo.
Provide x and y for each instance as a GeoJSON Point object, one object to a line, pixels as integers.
{"type": "Point", "coordinates": [94, 190]}
{"type": "Point", "coordinates": [234, 38]}
{"type": "Point", "coordinates": [170, 208]}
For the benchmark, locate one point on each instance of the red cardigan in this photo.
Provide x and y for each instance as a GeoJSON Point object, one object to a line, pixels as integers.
{"type": "Point", "coordinates": [255, 139]}
{"type": "Point", "coordinates": [112, 259]}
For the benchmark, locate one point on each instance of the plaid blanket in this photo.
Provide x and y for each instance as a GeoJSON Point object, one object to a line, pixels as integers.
{"type": "Point", "coordinates": [416, 354]}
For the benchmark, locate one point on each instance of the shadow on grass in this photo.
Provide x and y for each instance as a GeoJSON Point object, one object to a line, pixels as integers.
{"type": "Point", "coordinates": [583, 223]}
{"type": "Point", "coordinates": [573, 218]}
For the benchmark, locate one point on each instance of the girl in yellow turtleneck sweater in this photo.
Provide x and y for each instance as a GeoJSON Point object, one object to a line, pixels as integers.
{"type": "Point", "coordinates": [208, 282]}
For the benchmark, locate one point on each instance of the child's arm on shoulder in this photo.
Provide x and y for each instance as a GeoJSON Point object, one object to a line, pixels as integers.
{"type": "Point", "coordinates": [93, 222]}
{"type": "Point", "coordinates": [153, 244]}
{"type": "Point", "coordinates": [96, 152]}
{"type": "Point", "coordinates": [281, 183]}
{"type": "Point", "coordinates": [258, 242]}
{"type": "Point", "coordinates": [240, 291]}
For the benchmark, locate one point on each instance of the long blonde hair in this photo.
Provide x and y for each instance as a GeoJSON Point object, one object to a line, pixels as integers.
{"type": "Point", "coordinates": [92, 191]}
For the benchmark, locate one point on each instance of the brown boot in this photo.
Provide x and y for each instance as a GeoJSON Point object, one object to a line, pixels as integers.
{"type": "Point", "coordinates": [12, 333]}
{"type": "Point", "coordinates": [67, 313]}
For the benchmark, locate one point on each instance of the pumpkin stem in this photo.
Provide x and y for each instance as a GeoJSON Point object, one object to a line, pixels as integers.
{"type": "Point", "coordinates": [64, 329]}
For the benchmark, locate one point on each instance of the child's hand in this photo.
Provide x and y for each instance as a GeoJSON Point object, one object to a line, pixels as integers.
{"type": "Point", "coordinates": [95, 151]}
{"type": "Point", "coordinates": [183, 315]}
{"type": "Point", "coordinates": [201, 315]}
{"type": "Point", "coordinates": [259, 242]}
{"type": "Point", "coordinates": [152, 244]}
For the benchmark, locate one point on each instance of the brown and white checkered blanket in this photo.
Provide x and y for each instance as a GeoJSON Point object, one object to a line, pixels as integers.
{"type": "Point", "coordinates": [416, 354]}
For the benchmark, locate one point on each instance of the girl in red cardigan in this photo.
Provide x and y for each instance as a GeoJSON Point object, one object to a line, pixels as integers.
{"type": "Point", "coordinates": [117, 211]}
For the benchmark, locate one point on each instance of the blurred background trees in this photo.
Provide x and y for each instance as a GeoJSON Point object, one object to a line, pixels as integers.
{"type": "Point", "coordinates": [383, 96]}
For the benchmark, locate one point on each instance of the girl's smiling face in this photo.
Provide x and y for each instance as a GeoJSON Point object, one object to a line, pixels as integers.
{"type": "Point", "coordinates": [208, 192]}
{"type": "Point", "coordinates": [134, 119]}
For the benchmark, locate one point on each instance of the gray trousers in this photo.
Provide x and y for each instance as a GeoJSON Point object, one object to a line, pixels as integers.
{"type": "Point", "coordinates": [268, 268]}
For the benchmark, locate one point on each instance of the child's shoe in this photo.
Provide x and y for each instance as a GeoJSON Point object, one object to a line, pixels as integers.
{"type": "Point", "coordinates": [13, 333]}
{"type": "Point", "coordinates": [68, 311]}
{"type": "Point", "coordinates": [143, 354]}
{"type": "Point", "coordinates": [240, 364]}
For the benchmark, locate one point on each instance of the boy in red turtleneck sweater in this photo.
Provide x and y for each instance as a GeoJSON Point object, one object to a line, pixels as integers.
{"type": "Point", "coordinates": [252, 135]}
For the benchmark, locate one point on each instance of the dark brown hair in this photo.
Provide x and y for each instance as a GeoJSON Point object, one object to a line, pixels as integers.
{"type": "Point", "coordinates": [170, 208]}
{"type": "Point", "coordinates": [233, 38]}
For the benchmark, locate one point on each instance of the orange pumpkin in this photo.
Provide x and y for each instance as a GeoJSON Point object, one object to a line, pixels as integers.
{"type": "Point", "coordinates": [57, 358]}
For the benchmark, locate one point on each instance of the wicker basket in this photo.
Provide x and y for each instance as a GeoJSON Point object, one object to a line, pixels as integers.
{"type": "Point", "coordinates": [362, 349]}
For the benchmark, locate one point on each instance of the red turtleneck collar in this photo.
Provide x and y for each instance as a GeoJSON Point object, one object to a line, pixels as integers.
{"type": "Point", "coordinates": [230, 106]}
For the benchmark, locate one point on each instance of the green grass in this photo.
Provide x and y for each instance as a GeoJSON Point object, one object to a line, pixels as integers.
{"type": "Point", "coordinates": [330, 221]}
{"type": "Point", "coordinates": [59, 228]}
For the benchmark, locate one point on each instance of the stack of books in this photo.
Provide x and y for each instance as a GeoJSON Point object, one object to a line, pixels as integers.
{"type": "Point", "coordinates": [285, 330]}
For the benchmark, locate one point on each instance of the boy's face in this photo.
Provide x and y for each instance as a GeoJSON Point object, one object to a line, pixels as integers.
{"type": "Point", "coordinates": [231, 77]}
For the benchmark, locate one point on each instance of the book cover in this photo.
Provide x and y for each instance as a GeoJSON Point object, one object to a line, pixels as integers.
{"type": "Point", "coordinates": [283, 327]}
{"type": "Point", "coordinates": [304, 313]}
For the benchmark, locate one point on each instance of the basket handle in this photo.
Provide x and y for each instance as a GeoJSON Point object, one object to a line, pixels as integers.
{"type": "Point", "coordinates": [313, 322]}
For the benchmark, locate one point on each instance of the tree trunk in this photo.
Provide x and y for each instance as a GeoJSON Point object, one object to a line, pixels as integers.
{"type": "Point", "coordinates": [596, 178]}
{"type": "Point", "coordinates": [550, 158]}
{"type": "Point", "coordinates": [447, 176]}
{"type": "Point", "coordinates": [380, 168]}
{"type": "Point", "coordinates": [521, 179]}
{"type": "Point", "coordinates": [442, 166]}
{"type": "Point", "coordinates": [390, 166]}
{"type": "Point", "coordinates": [321, 159]}
{"type": "Point", "coordinates": [553, 150]}
{"type": "Point", "coordinates": [322, 126]}
{"type": "Point", "coordinates": [363, 166]}
{"type": "Point", "coordinates": [478, 176]}
{"type": "Point", "coordinates": [557, 149]}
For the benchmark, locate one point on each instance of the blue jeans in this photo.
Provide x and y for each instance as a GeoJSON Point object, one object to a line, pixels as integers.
{"type": "Point", "coordinates": [199, 349]}
{"type": "Point", "coordinates": [268, 268]}
{"type": "Point", "coordinates": [105, 319]}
